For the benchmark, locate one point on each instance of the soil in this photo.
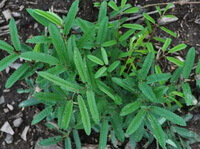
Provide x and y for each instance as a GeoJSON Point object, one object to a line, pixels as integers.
{"type": "Point", "coordinates": [185, 27]}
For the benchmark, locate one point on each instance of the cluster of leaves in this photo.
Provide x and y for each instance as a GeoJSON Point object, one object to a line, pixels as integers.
{"type": "Point", "coordinates": [92, 76]}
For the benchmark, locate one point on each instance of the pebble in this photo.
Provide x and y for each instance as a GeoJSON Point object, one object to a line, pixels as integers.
{"type": "Point", "coordinates": [10, 107]}
{"type": "Point", "coordinates": [166, 20]}
{"type": "Point", "coordinates": [17, 122]}
{"type": "Point", "coordinates": [9, 139]}
{"type": "Point", "coordinates": [7, 128]}
{"type": "Point", "coordinates": [54, 146]}
{"type": "Point", "coordinates": [5, 110]}
{"type": "Point", "coordinates": [24, 133]}
{"type": "Point", "coordinates": [7, 14]}
{"type": "Point", "coordinates": [2, 100]}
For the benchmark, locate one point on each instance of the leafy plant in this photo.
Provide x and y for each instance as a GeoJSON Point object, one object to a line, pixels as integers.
{"type": "Point", "coordinates": [100, 79]}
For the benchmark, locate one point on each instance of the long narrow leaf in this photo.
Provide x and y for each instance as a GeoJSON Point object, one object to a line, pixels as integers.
{"type": "Point", "coordinates": [84, 115]}
{"type": "Point", "coordinates": [60, 82]}
{"type": "Point", "coordinates": [79, 65]}
{"type": "Point", "coordinates": [131, 107]}
{"type": "Point", "coordinates": [103, 134]}
{"type": "Point", "coordinates": [14, 35]}
{"type": "Point", "coordinates": [41, 57]}
{"type": "Point", "coordinates": [67, 114]}
{"type": "Point", "coordinates": [136, 122]}
{"type": "Point", "coordinates": [158, 77]}
{"type": "Point", "coordinates": [102, 32]}
{"type": "Point", "coordinates": [168, 115]}
{"type": "Point", "coordinates": [148, 92]}
{"type": "Point", "coordinates": [93, 106]}
{"type": "Point", "coordinates": [48, 96]}
{"type": "Point", "coordinates": [58, 43]}
{"type": "Point", "coordinates": [70, 17]}
{"type": "Point", "coordinates": [189, 62]}
{"type": "Point", "coordinates": [44, 113]}
{"type": "Point", "coordinates": [6, 47]}
{"type": "Point", "coordinates": [16, 75]}
{"type": "Point", "coordinates": [50, 141]}
{"type": "Point", "coordinates": [146, 65]}
{"type": "Point", "coordinates": [157, 130]}
{"type": "Point", "coordinates": [7, 61]}
{"type": "Point", "coordinates": [50, 16]}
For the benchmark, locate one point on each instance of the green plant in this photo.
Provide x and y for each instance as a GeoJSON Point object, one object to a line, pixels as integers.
{"type": "Point", "coordinates": [98, 78]}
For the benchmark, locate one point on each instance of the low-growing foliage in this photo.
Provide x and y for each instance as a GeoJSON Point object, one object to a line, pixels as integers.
{"type": "Point", "coordinates": [104, 77]}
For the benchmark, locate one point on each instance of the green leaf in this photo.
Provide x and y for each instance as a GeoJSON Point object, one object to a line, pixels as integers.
{"type": "Point", "coordinates": [109, 43]}
{"type": "Point", "coordinates": [44, 113]}
{"type": "Point", "coordinates": [41, 57]}
{"type": "Point", "coordinates": [149, 18]}
{"type": "Point", "coordinates": [124, 85]}
{"type": "Point", "coordinates": [168, 115]}
{"type": "Point", "coordinates": [86, 36]}
{"type": "Point", "coordinates": [38, 18]}
{"type": "Point", "coordinates": [39, 39]}
{"type": "Point", "coordinates": [52, 17]}
{"type": "Point", "coordinates": [79, 65]}
{"type": "Point", "coordinates": [133, 26]}
{"type": "Point", "coordinates": [168, 31]}
{"type": "Point", "coordinates": [175, 61]}
{"type": "Point", "coordinates": [108, 91]}
{"type": "Point", "coordinates": [197, 70]}
{"type": "Point", "coordinates": [16, 75]}
{"type": "Point", "coordinates": [77, 139]}
{"type": "Point", "coordinates": [123, 3]}
{"type": "Point", "coordinates": [113, 5]}
{"type": "Point", "coordinates": [126, 35]}
{"type": "Point", "coordinates": [113, 66]}
{"type": "Point", "coordinates": [67, 114]}
{"type": "Point", "coordinates": [70, 17]}
{"type": "Point", "coordinates": [92, 106]}
{"type": "Point", "coordinates": [5, 62]}
{"type": "Point", "coordinates": [166, 44]}
{"type": "Point", "coordinates": [147, 65]}
{"type": "Point", "coordinates": [68, 144]}
{"type": "Point", "coordinates": [95, 59]}
{"type": "Point", "coordinates": [131, 107]}
{"type": "Point", "coordinates": [177, 73]}
{"type": "Point", "coordinates": [157, 130]}
{"type": "Point", "coordinates": [102, 31]}
{"type": "Point", "coordinates": [58, 43]}
{"type": "Point", "coordinates": [29, 102]}
{"type": "Point", "coordinates": [6, 47]}
{"type": "Point", "coordinates": [84, 115]}
{"type": "Point", "coordinates": [158, 77]}
{"type": "Point", "coordinates": [103, 134]}
{"type": "Point", "coordinates": [100, 72]}
{"type": "Point", "coordinates": [48, 96]}
{"type": "Point", "coordinates": [177, 48]}
{"type": "Point", "coordinates": [136, 122]}
{"type": "Point", "coordinates": [104, 56]}
{"type": "Point", "coordinates": [148, 92]}
{"type": "Point", "coordinates": [132, 10]}
{"type": "Point", "coordinates": [102, 11]}
{"type": "Point", "coordinates": [60, 82]}
{"type": "Point", "coordinates": [14, 35]}
{"type": "Point", "coordinates": [189, 98]}
{"type": "Point", "coordinates": [50, 141]}
{"type": "Point", "coordinates": [189, 62]}
{"type": "Point", "coordinates": [117, 125]}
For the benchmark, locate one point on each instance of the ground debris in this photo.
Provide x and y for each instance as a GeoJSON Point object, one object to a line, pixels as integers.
{"type": "Point", "coordinates": [7, 128]}
{"type": "Point", "coordinates": [24, 133]}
